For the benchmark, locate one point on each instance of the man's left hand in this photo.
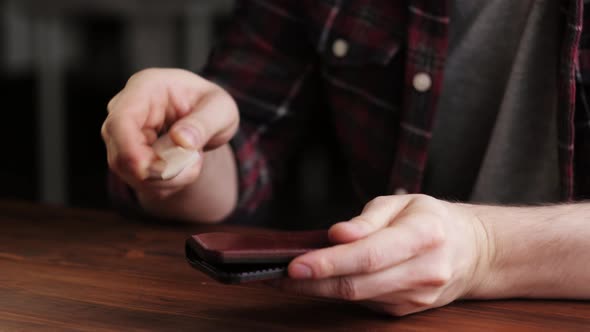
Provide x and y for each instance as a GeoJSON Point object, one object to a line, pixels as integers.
{"type": "Point", "coordinates": [401, 255]}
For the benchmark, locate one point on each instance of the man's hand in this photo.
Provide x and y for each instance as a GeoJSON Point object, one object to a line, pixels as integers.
{"type": "Point", "coordinates": [402, 255]}
{"type": "Point", "coordinates": [200, 116]}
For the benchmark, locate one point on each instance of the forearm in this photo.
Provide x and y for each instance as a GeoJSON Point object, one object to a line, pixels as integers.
{"type": "Point", "coordinates": [209, 199]}
{"type": "Point", "coordinates": [536, 252]}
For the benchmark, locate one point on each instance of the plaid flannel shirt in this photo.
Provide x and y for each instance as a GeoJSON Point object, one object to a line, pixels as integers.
{"type": "Point", "coordinates": [376, 67]}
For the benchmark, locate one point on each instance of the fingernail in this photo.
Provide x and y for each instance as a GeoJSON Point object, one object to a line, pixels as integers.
{"type": "Point", "coordinates": [300, 271]}
{"type": "Point", "coordinates": [187, 137]}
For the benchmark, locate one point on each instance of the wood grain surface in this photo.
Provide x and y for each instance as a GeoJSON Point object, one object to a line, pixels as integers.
{"type": "Point", "coordinates": [63, 269]}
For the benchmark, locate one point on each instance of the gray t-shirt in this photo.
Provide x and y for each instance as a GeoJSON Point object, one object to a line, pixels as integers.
{"type": "Point", "coordinates": [495, 133]}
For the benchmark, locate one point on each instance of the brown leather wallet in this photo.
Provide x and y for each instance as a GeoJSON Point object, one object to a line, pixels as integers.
{"type": "Point", "coordinates": [233, 258]}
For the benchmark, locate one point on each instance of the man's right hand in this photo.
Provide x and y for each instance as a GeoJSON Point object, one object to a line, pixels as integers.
{"type": "Point", "coordinates": [199, 115]}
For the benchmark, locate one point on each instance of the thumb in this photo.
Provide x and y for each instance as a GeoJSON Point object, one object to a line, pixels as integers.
{"type": "Point", "coordinates": [212, 122]}
{"type": "Point", "coordinates": [376, 215]}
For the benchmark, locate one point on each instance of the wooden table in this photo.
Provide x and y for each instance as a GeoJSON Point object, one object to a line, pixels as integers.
{"type": "Point", "coordinates": [63, 269]}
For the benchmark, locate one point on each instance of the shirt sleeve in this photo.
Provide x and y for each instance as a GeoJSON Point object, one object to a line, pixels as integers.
{"type": "Point", "coordinates": [266, 62]}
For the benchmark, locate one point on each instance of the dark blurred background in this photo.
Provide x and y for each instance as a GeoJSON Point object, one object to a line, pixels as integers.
{"type": "Point", "coordinates": [60, 63]}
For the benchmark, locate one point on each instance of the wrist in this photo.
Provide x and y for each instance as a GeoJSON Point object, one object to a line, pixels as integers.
{"type": "Point", "coordinates": [509, 262]}
{"type": "Point", "coordinates": [483, 276]}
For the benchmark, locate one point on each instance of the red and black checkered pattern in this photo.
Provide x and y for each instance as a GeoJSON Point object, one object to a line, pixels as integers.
{"type": "Point", "coordinates": [278, 63]}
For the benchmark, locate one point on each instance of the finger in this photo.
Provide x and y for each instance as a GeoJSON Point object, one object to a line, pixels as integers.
{"type": "Point", "coordinates": [186, 176]}
{"type": "Point", "coordinates": [127, 150]}
{"type": "Point", "coordinates": [151, 135]}
{"type": "Point", "coordinates": [411, 235]}
{"type": "Point", "coordinates": [112, 103]}
{"type": "Point", "coordinates": [377, 214]}
{"type": "Point", "coordinates": [138, 105]}
{"type": "Point", "coordinates": [173, 159]}
{"type": "Point", "coordinates": [212, 123]}
{"type": "Point", "coordinates": [162, 189]}
{"type": "Point", "coordinates": [420, 273]}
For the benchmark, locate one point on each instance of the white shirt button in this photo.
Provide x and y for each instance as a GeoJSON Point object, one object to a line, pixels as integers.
{"type": "Point", "coordinates": [340, 48]}
{"type": "Point", "coordinates": [422, 82]}
{"type": "Point", "coordinates": [401, 191]}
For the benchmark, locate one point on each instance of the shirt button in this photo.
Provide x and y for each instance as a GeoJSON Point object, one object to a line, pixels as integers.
{"type": "Point", "coordinates": [340, 48]}
{"type": "Point", "coordinates": [401, 191]}
{"type": "Point", "coordinates": [422, 82]}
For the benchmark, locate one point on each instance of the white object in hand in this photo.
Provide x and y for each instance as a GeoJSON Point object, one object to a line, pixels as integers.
{"type": "Point", "coordinates": [173, 158]}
